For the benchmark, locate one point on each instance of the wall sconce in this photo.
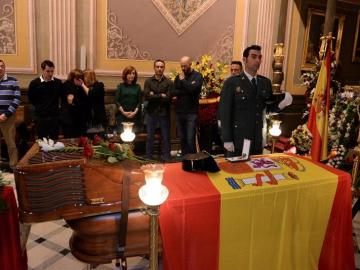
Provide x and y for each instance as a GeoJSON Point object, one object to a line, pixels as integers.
{"type": "Point", "coordinates": [127, 135]}
{"type": "Point", "coordinates": [274, 132]}
{"type": "Point", "coordinates": [153, 194]}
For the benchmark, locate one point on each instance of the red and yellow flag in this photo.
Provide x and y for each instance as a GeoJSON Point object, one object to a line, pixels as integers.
{"type": "Point", "coordinates": [319, 110]}
{"type": "Point", "coordinates": [225, 220]}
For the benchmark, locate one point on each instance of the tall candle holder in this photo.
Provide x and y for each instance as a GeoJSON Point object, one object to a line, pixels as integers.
{"type": "Point", "coordinates": [153, 194]}
{"type": "Point", "coordinates": [127, 136]}
{"type": "Point", "coordinates": [274, 132]}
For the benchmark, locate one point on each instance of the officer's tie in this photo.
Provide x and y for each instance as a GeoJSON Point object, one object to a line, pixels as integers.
{"type": "Point", "coordinates": [253, 82]}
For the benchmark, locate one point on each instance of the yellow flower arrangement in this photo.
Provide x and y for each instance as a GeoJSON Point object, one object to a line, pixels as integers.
{"type": "Point", "coordinates": [213, 73]}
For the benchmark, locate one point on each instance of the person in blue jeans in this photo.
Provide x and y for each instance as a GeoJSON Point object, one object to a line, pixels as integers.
{"type": "Point", "coordinates": [157, 93]}
{"type": "Point", "coordinates": [187, 87]}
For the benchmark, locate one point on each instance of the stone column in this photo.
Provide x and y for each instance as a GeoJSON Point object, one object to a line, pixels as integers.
{"type": "Point", "coordinates": [62, 28]}
{"type": "Point", "coordinates": [282, 21]}
{"type": "Point", "coordinates": [265, 34]}
{"type": "Point", "coordinates": [278, 61]}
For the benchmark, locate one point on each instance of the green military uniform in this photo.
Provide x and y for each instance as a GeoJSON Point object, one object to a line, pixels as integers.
{"type": "Point", "coordinates": [241, 111]}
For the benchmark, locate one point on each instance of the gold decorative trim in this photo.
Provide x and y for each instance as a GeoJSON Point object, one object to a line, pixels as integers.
{"type": "Point", "coordinates": [306, 65]}
{"type": "Point", "coordinates": [23, 61]}
{"type": "Point", "coordinates": [352, 88]}
{"type": "Point", "coordinates": [181, 14]}
{"type": "Point", "coordinates": [7, 29]}
{"type": "Point", "coordinates": [223, 49]}
{"type": "Point", "coordinates": [356, 50]}
{"type": "Point", "coordinates": [120, 45]}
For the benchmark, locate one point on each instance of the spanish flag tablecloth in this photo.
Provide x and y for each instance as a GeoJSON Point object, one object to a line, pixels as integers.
{"type": "Point", "coordinates": [273, 212]}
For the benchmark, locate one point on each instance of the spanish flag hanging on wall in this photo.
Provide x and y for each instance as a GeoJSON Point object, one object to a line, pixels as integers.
{"type": "Point", "coordinates": [319, 110]}
{"type": "Point", "coordinates": [280, 212]}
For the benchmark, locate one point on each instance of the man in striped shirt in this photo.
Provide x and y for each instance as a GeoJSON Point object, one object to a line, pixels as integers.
{"type": "Point", "coordinates": [9, 101]}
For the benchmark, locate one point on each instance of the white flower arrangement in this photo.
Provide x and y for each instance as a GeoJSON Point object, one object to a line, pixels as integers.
{"type": "Point", "coordinates": [301, 138]}
{"type": "Point", "coordinates": [337, 156]}
{"type": "Point", "coordinates": [342, 122]}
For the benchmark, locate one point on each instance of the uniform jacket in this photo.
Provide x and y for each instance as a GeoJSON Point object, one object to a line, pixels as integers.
{"type": "Point", "coordinates": [241, 110]}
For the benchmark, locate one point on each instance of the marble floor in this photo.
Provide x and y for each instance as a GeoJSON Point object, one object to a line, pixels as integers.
{"type": "Point", "coordinates": [48, 247]}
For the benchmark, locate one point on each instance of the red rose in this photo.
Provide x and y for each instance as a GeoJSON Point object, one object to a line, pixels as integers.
{"type": "Point", "coordinates": [112, 146]}
{"type": "Point", "coordinates": [82, 141]}
{"type": "Point", "coordinates": [88, 151]}
{"type": "Point", "coordinates": [97, 140]}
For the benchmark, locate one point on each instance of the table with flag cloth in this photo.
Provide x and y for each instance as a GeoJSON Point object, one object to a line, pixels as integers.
{"type": "Point", "coordinates": [277, 211]}
{"type": "Point", "coordinates": [11, 257]}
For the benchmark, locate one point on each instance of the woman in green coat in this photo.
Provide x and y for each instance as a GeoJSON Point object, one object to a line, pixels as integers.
{"type": "Point", "coordinates": [128, 99]}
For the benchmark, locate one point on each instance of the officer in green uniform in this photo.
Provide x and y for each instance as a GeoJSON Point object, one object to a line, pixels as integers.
{"type": "Point", "coordinates": [243, 101]}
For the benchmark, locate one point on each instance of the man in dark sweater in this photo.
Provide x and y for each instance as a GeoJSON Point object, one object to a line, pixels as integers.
{"type": "Point", "coordinates": [9, 101]}
{"type": "Point", "coordinates": [157, 92]}
{"type": "Point", "coordinates": [44, 93]}
{"type": "Point", "coordinates": [187, 87]}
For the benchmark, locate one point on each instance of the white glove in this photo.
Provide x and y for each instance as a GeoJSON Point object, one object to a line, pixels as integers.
{"type": "Point", "coordinates": [49, 145]}
{"type": "Point", "coordinates": [286, 101]}
{"type": "Point", "coordinates": [229, 146]}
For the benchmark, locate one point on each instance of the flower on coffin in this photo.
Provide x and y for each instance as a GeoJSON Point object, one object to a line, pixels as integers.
{"type": "Point", "coordinates": [112, 152]}
{"type": "Point", "coordinates": [88, 151]}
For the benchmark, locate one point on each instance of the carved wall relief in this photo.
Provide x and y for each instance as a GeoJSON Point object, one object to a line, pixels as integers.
{"type": "Point", "coordinates": [7, 29]}
{"type": "Point", "coordinates": [120, 45]}
{"type": "Point", "coordinates": [182, 13]}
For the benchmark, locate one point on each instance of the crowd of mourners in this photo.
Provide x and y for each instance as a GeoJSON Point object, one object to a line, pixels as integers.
{"type": "Point", "coordinates": [76, 106]}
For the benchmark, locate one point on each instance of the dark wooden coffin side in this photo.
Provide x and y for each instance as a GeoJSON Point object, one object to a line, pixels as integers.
{"type": "Point", "coordinates": [63, 188]}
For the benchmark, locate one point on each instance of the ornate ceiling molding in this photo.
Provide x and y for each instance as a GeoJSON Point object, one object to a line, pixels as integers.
{"type": "Point", "coordinates": [120, 45]}
{"type": "Point", "coordinates": [181, 14]}
{"type": "Point", "coordinates": [223, 49]}
{"type": "Point", "coordinates": [7, 29]}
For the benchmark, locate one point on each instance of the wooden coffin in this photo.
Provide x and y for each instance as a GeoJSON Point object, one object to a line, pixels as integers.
{"type": "Point", "coordinates": [91, 195]}
{"type": "Point", "coordinates": [56, 185]}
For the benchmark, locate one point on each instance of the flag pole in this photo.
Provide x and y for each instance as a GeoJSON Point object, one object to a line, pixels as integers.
{"type": "Point", "coordinates": [319, 109]}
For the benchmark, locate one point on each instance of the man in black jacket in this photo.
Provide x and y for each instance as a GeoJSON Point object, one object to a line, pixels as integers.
{"type": "Point", "coordinates": [187, 87]}
{"type": "Point", "coordinates": [242, 103]}
{"type": "Point", "coordinates": [157, 92]}
{"type": "Point", "coordinates": [44, 93]}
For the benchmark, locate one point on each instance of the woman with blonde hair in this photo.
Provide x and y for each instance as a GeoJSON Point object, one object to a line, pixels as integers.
{"type": "Point", "coordinates": [128, 99]}
{"type": "Point", "coordinates": [96, 122]}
